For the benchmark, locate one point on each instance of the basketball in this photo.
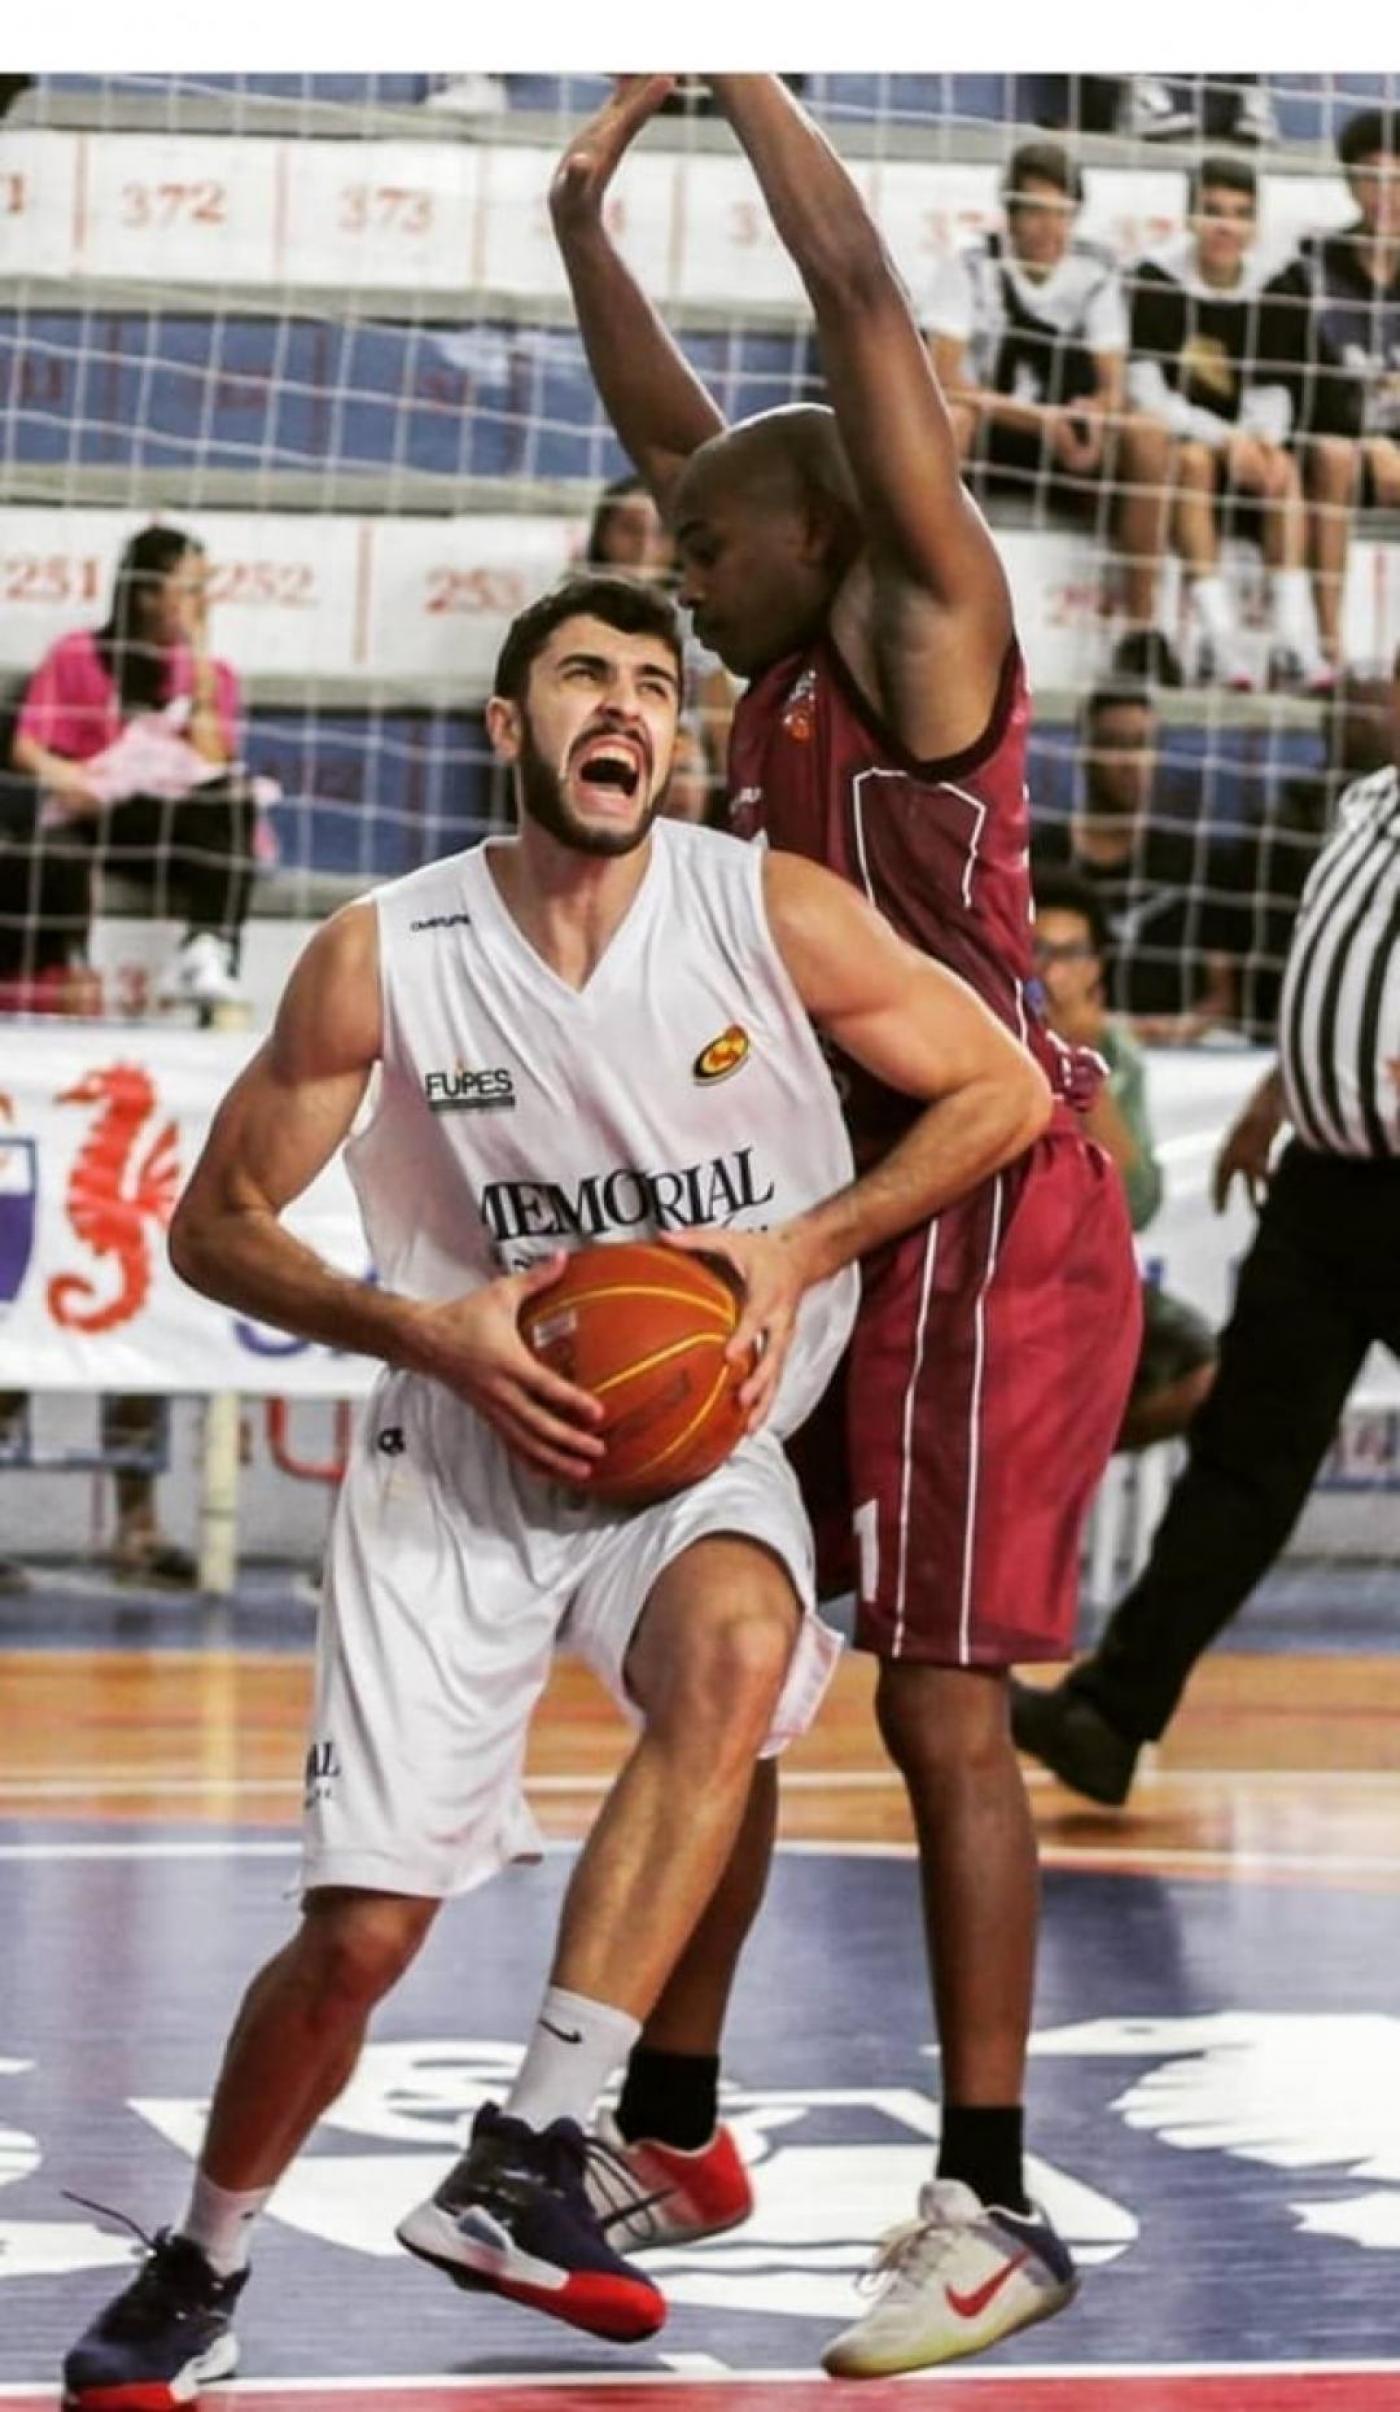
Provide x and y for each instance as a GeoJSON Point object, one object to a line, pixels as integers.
{"type": "Point", "coordinates": [645, 1329]}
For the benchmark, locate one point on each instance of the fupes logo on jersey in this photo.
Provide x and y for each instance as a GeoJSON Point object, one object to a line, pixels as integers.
{"type": "Point", "coordinates": [722, 1056]}
{"type": "Point", "coordinates": [676, 1199]}
{"type": "Point", "coordinates": [467, 1092]}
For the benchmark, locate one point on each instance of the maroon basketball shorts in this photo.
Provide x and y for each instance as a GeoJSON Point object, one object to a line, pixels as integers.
{"type": "Point", "coordinates": [950, 1466]}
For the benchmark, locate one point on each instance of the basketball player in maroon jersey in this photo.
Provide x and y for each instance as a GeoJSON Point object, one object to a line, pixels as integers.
{"type": "Point", "coordinates": [835, 559]}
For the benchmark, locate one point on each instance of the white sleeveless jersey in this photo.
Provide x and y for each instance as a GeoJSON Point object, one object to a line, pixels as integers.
{"type": "Point", "coordinates": [682, 1087]}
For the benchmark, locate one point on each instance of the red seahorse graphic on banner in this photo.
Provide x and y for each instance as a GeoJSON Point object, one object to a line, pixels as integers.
{"type": "Point", "coordinates": [117, 1189]}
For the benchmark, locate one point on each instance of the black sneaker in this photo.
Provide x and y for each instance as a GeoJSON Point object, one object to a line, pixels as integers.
{"type": "Point", "coordinates": [1145, 653]}
{"type": "Point", "coordinates": [1074, 1740]}
{"type": "Point", "coordinates": [514, 2217]}
{"type": "Point", "coordinates": [163, 2338]}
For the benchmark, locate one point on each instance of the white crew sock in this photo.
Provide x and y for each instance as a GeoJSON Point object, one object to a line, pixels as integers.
{"type": "Point", "coordinates": [575, 2047]}
{"type": "Point", "coordinates": [1294, 624]}
{"type": "Point", "coordinates": [221, 2224]}
{"type": "Point", "coordinates": [1210, 598]}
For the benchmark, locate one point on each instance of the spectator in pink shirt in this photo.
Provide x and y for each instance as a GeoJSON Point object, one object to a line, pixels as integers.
{"type": "Point", "coordinates": [131, 732]}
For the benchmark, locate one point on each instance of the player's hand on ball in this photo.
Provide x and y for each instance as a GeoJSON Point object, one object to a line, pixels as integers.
{"type": "Point", "coordinates": [474, 1346]}
{"type": "Point", "coordinates": [772, 1279]}
{"type": "Point", "coordinates": [590, 161]}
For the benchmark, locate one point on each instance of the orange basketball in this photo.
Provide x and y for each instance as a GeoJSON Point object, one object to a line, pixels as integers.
{"type": "Point", "coordinates": [645, 1329]}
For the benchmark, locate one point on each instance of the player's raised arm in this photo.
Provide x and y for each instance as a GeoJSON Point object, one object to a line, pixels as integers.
{"type": "Point", "coordinates": [278, 1127]}
{"type": "Point", "coordinates": [922, 525]}
{"type": "Point", "coordinates": [661, 411]}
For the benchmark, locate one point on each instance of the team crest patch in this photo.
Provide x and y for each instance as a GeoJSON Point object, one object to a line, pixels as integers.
{"type": "Point", "coordinates": [799, 711]}
{"type": "Point", "coordinates": [722, 1056]}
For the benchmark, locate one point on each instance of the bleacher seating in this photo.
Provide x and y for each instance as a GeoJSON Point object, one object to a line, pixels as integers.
{"type": "Point", "coordinates": [377, 333]}
{"type": "Point", "coordinates": [1306, 111]}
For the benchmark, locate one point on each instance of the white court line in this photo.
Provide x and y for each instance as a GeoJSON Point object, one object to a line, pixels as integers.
{"type": "Point", "coordinates": [48, 1786]}
{"type": "Point", "coordinates": [1026, 2374]}
{"type": "Point", "coordinates": [60, 1787]}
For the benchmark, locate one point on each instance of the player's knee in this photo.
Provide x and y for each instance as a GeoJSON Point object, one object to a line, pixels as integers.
{"type": "Point", "coordinates": [943, 1724]}
{"type": "Point", "coordinates": [356, 1948]}
{"type": "Point", "coordinates": [1195, 464]}
{"type": "Point", "coordinates": [729, 1674]}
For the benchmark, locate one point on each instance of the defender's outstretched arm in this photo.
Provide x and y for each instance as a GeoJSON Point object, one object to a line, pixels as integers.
{"type": "Point", "coordinates": [894, 425]}
{"type": "Point", "coordinates": [653, 397]}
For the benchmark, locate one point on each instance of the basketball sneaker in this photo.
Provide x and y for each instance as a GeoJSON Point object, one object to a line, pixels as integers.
{"type": "Point", "coordinates": [682, 2196]}
{"type": "Point", "coordinates": [952, 2282]}
{"type": "Point", "coordinates": [514, 2218]}
{"type": "Point", "coordinates": [163, 2338]}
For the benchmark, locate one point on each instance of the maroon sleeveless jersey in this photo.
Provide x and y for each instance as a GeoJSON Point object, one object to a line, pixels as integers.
{"type": "Point", "coordinates": [942, 848]}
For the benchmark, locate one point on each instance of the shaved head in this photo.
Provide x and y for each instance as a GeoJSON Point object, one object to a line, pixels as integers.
{"type": "Point", "coordinates": [787, 459]}
{"type": "Point", "coordinates": [767, 523]}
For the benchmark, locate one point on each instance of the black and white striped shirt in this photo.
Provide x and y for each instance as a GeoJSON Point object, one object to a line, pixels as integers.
{"type": "Point", "coordinates": [1339, 1018]}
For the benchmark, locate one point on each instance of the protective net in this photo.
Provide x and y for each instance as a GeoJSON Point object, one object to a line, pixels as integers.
{"type": "Point", "coordinates": [320, 324]}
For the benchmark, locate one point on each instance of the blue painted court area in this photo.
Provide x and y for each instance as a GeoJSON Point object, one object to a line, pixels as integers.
{"type": "Point", "coordinates": [1215, 2094]}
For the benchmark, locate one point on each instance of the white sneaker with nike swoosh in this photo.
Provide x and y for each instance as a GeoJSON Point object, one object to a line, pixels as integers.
{"type": "Point", "coordinates": [952, 2282]}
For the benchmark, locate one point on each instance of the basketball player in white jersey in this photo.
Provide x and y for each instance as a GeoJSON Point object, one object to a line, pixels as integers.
{"type": "Point", "coordinates": [510, 1042]}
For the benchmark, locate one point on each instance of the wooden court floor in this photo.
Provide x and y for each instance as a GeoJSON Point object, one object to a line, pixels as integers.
{"type": "Point", "coordinates": [1276, 1766]}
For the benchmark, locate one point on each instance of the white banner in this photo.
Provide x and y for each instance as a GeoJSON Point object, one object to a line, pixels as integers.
{"type": "Point", "coordinates": [100, 1126]}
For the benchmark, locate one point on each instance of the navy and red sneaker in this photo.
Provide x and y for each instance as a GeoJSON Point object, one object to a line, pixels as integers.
{"type": "Point", "coordinates": [161, 2339]}
{"type": "Point", "coordinates": [513, 2217]}
{"type": "Point", "coordinates": [680, 2195]}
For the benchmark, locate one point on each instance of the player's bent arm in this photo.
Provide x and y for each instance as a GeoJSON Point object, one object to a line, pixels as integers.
{"type": "Point", "coordinates": [278, 1127]}
{"type": "Point", "coordinates": [659, 408]}
{"type": "Point", "coordinates": [919, 1029]}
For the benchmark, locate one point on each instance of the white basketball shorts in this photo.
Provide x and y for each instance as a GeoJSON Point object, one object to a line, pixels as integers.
{"type": "Point", "coordinates": [453, 1574]}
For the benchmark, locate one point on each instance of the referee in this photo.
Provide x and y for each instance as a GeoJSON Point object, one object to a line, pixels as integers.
{"type": "Point", "coordinates": [1320, 1283]}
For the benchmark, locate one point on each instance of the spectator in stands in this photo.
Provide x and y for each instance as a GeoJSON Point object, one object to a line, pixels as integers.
{"type": "Point", "coordinates": [1339, 350]}
{"type": "Point", "coordinates": [130, 731]}
{"type": "Point", "coordinates": [1149, 108]}
{"type": "Point", "coordinates": [1029, 334]}
{"type": "Point", "coordinates": [90, 691]}
{"type": "Point", "coordinates": [627, 532]}
{"type": "Point", "coordinates": [1176, 1363]}
{"type": "Point", "coordinates": [1320, 1284]}
{"type": "Point", "coordinates": [45, 912]}
{"type": "Point", "coordinates": [1170, 895]}
{"type": "Point", "coordinates": [1195, 337]}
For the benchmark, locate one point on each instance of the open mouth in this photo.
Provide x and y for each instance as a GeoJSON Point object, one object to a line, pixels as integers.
{"type": "Point", "coordinates": [609, 766]}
